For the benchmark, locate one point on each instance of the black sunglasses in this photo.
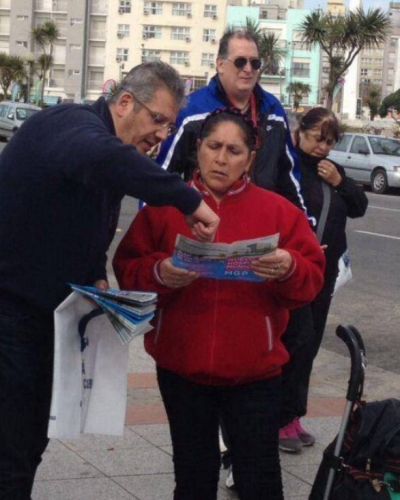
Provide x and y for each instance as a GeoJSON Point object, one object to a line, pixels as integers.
{"type": "Point", "coordinates": [240, 62]}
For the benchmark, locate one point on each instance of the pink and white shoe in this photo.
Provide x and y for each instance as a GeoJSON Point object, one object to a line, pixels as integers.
{"type": "Point", "coordinates": [289, 440]}
{"type": "Point", "coordinates": [305, 437]}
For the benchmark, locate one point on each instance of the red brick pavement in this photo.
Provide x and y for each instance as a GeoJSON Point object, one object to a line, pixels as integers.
{"type": "Point", "coordinates": [153, 412]}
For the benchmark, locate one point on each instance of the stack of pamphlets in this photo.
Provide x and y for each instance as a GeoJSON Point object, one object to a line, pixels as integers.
{"type": "Point", "coordinates": [130, 312]}
{"type": "Point", "coordinates": [222, 261]}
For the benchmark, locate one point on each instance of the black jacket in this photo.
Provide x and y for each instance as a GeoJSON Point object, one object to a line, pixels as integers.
{"type": "Point", "coordinates": [62, 177]}
{"type": "Point", "coordinates": [347, 200]}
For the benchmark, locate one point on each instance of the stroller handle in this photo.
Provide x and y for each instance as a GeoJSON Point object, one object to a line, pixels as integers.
{"type": "Point", "coordinates": [352, 338]}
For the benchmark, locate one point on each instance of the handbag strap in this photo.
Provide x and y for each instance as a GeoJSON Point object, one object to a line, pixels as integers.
{"type": "Point", "coordinates": [326, 194]}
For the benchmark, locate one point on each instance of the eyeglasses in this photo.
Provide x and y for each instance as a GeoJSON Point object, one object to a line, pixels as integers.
{"type": "Point", "coordinates": [240, 62]}
{"type": "Point", "coordinates": [158, 118]}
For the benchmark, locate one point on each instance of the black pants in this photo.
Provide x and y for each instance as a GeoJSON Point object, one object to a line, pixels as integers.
{"type": "Point", "coordinates": [251, 415]}
{"type": "Point", "coordinates": [302, 339]}
{"type": "Point", "coordinates": [26, 370]}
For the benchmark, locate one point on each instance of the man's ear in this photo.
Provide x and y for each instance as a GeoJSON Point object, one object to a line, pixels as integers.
{"type": "Point", "coordinates": [124, 104]}
{"type": "Point", "coordinates": [220, 65]}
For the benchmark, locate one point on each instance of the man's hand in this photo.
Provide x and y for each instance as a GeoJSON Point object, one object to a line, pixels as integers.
{"type": "Point", "coordinates": [102, 285]}
{"type": "Point", "coordinates": [174, 277]}
{"type": "Point", "coordinates": [274, 265]}
{"type": "Point", "coordinates": [204, 222]}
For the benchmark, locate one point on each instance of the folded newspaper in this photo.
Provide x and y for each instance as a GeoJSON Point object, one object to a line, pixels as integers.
{"type": "Point", "coordinates": [130, 312]}
{"type": "Point", "coordinates": [224, 261]}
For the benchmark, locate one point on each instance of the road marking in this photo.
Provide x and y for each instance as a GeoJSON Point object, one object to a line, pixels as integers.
{"type": "Point", "coordinates": [379, 234]}
{"type": "Point", "coordinates": [383, 208]}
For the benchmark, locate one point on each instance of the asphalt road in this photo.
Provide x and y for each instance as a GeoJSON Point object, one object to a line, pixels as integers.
{"type": "Point", "coordinates": [371, 301]}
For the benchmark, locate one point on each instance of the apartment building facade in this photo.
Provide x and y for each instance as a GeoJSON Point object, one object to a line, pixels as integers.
{"type": "Point", "coordinates": [391, 62]}
{"type": "Point", "coordinates": [100, 40]}
{"type": "Point", "coordinates": [300, 62]}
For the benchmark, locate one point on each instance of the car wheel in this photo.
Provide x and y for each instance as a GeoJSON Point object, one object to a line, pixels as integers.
{"type": "Point", "coordinates": [379, 183]}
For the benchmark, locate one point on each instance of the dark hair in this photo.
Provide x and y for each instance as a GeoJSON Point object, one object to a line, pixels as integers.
{"type": "Point", "coordinates": [230, 115]}
{"type": "Point", "coordinates": [240, 33]}
{"type": "Point", "coordinates": [326, 119]}
{"type": "Point", "coordinates": [146, 78]}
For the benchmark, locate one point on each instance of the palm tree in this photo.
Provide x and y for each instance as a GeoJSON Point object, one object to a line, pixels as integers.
{"type": "Point", "coordinates": [270, 52]}
{"type": "Point", "coordinates": [45, 36]}
{"type": "Point", "coordinates": [373, 100]}
{"type": "Point", "coordinates": [341, 38]}
{"type": "Point", "coordinates": [12, 68]}
{"type": "Point", "coordinates": [298, 90]}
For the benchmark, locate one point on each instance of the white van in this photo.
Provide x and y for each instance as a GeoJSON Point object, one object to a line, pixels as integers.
{"type": "Point", "coordinates": [12, 115]}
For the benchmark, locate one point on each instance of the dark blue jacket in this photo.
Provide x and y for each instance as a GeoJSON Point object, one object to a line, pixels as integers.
{"type": "Point", "coordinates": [62, 177]}
{"type": "Point", "coordinates": [275, 168]}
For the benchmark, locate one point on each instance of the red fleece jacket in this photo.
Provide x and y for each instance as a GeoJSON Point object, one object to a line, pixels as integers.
{"type": "Point", "coordinates": [222, 332]}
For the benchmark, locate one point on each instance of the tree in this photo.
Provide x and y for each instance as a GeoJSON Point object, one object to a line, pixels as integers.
{"type": "Point", "coordinates": [391, 104]}
{"type": "Point", "coordinates": [341, 38]}
{"type": "Point", "coordinates": [12, 69]}
{"type": "Point", "coordinates": [270, 52]}
{"type": "Point", "coordinates": [372, 99]}
{"type": "Point", "coordinates": [45, 36]}
{"type": "Point", "coordinates": [298, 90]}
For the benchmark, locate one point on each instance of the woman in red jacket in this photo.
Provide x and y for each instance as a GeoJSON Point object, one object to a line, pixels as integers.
{"type": "Point", "coordinates": [217, 343]}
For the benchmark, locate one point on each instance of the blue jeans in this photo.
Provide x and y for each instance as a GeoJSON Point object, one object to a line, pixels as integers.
{"type": "Point", "coordinates": [251, 416]}
{"type": "Point", "coordinates": [26, 370]}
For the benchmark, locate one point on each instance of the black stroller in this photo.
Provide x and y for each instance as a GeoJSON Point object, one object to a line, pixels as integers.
{"type": "Point", "coordinates": [363, 462]}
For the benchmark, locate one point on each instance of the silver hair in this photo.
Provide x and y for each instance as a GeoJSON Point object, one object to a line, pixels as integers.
{"type": "Point", "coordinates": [146, 78]}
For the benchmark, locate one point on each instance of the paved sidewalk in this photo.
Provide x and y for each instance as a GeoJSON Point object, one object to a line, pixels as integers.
{"type": "Point", "coordinates": [139, 465]}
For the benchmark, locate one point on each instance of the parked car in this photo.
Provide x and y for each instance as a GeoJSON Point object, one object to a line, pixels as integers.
{"type": "Point", "coordinates": [369, 159]}
{"type": "Point", "coordinates": [12, 115]}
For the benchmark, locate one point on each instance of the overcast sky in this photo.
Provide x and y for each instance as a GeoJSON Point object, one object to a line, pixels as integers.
{"type": "Point", "coordinates": [312, 4]}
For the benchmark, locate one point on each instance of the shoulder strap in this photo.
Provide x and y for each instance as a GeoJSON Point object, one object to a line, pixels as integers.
{"type": "Point", "coordinates": [326, 193]}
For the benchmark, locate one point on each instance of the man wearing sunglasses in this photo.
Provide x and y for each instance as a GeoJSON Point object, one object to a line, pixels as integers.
{"type": "Point", "coordinates": [235, 84]}
{"type": "Point", "coordinates": [62, 178]}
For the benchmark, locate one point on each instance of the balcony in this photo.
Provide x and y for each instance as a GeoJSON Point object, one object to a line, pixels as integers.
{"type": "Point", "coordinates": [5, 4]}
{"type": "Point", "coordinates": [51, 5]}
{"type": "Point", "coordinates": [99, 7]}
{"type": "Point", "coordinates": [97, 35]}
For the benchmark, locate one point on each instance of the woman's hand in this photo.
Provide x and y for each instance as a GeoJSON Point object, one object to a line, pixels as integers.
{"type": "Point", "coordinates": [174, 277]}
{"type": "Point", "coordinates": [273, 265]}
{"type": "Point", "coordinates": [329, 173]}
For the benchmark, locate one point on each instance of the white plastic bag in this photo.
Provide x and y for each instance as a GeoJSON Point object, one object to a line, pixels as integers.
{"type": "Point", "coordinates": [344, 273]}
{"type": "Point", "coordinates": [89, 385]}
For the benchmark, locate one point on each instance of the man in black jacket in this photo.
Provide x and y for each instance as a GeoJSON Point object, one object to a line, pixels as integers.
{"type": "Point", "coordinates": [61, 181]}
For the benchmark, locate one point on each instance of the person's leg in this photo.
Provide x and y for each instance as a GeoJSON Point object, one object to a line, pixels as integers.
{"type": "Point", "coordinates": [193, 414]}
{"type": "Point", "coordinates": [299, 340]}
{"type": "Point", "coordinates": [26, 366]}
{"type": "Point", "coordinates": [251, 415]}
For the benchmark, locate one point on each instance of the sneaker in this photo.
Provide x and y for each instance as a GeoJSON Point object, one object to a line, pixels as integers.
{"type": "Point", "coordinates": [305, 437]}
{"type": "Point", "coordinates": [289, 440]}
{"type": "Point", "coordinates": [230, 483]}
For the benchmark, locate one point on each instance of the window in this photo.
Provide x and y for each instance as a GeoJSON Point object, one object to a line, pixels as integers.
{"type": "Point", "coordinates": [181, 9]}
{"type": "Point", "coordinates": [207, 59]}
{"type": "Point", "coordinates": [75, 46]}
{"type": "Point", "coordinates": [301, 69]}
{"type": "Point", "coordinates": [150, 55]}
{"type": "Point", "coordinates": [21, 43]}
{"type": "Point", "coordinates": [22, 18]}
{"type": "Point", "coordinates": [95, 79]}
{"type": "Point", "coordinates": [180, 33]}
{"type": "Point", "coordinates": [210, 11]}
{"type": "Point", "coordinates": [123, 30]}
{"type": "Point", "coordinates": [343, 144]}
{"type": "Point", "coordinates": [359, 145]}
{"type": "Point", "coordinates": [151, 32]}
{"type": "Point", "coordinates": [122, 55]}
{"type": "Point", "coordinates": [75, 20]}
{"type": "Point", "coordinates": [154, 8]}
{"type": "Point", "coordinates": [364, 71]}
{"type": "Point", "coordinates": [179, 57]}
{"type": "Point", "coordinates": [209, 35]}
{"type": "Point", "coordinates": [124, 6]}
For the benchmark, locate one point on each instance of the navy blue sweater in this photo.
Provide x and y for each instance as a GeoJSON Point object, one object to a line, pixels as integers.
{"type": "Point", "coordinates": [62, 177]}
